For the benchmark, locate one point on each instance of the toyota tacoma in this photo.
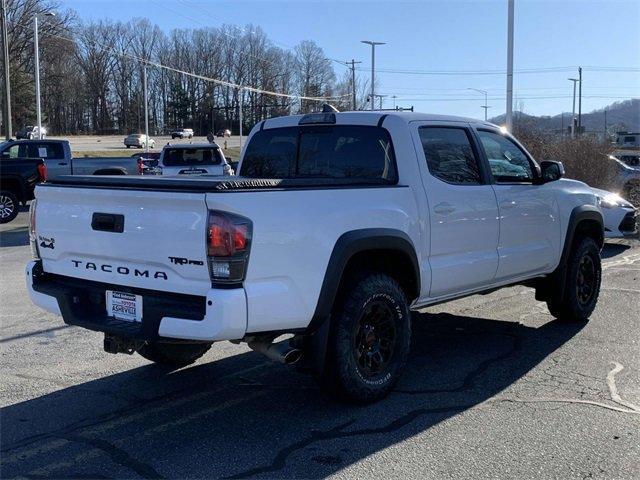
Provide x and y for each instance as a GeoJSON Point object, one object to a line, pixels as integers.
{"type": "Point", "coordinates": [338, 226]}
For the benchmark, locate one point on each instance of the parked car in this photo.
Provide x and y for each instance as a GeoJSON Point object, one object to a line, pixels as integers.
{"type": "Point", "coordinates": [18, 178]}
{"type": "Point", "coordinates": [620, 216]}
{"type": "Point", "coordinates": [182, 133]}
{"type": "Point", "coordinates": [30, 132]}
{"type": "Point", "coordinates": [194, 159]}
{"type": "Point", "coordinates": [58, 160]}
{"type": "Point", "coordinates": [223, 133]}
{"type": "Point", "coordinates": [139, 140]}
{"type": "Point", "coordinates": [627, 178]}
{"type": "Point", "coordinates": [339, 225]}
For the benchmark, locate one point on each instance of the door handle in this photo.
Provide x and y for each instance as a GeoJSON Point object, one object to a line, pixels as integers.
{"type": "Point", "coordinates": [63, 163]}
{"type": "Point", "coordinates": [508, 204]}
{"type": "Point", "coordinates": [107, 222]}
{"type": "Point", "coordinates": [444, 208]}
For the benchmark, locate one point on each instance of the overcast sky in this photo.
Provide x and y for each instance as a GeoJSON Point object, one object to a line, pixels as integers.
{"type": "Point", "coordinates": [465, 40]}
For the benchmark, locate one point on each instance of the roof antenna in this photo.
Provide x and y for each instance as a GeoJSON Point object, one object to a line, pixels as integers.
{"type": "Point", "coordinates": [328, 108]}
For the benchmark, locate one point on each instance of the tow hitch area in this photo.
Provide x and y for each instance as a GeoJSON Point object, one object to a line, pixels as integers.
{"type": "Point", "coordinates": [115, 344]}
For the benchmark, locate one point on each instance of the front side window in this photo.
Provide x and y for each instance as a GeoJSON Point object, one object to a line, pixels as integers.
{"type": "Point", "coordinates": [507, 161]}
{"type": "Point", "coordinates": [335, 151]}
{"type": "Point", "coordinates": [450, 156]}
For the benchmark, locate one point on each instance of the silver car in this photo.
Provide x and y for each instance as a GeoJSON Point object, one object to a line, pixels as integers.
{"type": "Point", "coordinates": [139, 140]}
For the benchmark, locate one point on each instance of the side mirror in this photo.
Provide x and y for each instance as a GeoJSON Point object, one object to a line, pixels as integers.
{"type": "Point", "coordinates": [551, 170]}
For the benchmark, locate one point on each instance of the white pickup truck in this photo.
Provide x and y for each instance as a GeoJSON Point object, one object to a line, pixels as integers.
{"type": "Point", "coordinates": [338, 226]}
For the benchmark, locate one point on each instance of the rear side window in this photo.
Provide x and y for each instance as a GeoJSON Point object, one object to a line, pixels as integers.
{"type": "Point", "coordinates": [449, 155]}
{"type": "Point", "coordinates": [45, 150]}
{"type": "Point", "coordinates": [179, 157]}
{"type": "Point", "coordinates": [336, 151]}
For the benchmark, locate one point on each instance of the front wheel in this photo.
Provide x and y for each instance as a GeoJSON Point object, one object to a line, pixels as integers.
{"type": "Point", "coordinates": [8, 206]}
{"type": "Point", "coordinates": [582, 283]}
{"type": "Point", "coordinates": [369, 340]}
{"type": "Point", "coordinates": [173, 354]}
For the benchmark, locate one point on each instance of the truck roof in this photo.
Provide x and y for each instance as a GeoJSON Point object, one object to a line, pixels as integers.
{"type": "Point", "coordinates": [373, 117]}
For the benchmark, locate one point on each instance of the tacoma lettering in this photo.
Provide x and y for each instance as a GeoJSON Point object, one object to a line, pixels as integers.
{"type": "Point", "coordinates": [122, 270]}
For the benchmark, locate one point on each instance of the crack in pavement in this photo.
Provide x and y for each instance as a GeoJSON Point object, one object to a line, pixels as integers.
{"type": "Point", "coordinates": [118, 455]}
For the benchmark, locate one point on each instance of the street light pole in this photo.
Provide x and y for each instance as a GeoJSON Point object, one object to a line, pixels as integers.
{"type": "Point", "coordinates": [8, 130]}
{"type": "Point", "coordinates": [373, 68]}
{"type": "Point", "coordinates": [146, 107]}
{"type": "Point", "coordinates": [486, 107]}
{"type": "Point", "coordinates": [37, 70]}
{"type": "Point", "coordinates": [573, 110]}
{"type": "Point", "coordinates": [509, 114]}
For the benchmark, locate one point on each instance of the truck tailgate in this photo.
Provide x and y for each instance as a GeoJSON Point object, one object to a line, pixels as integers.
{"type": "Point", "coordinates": [145, 239]}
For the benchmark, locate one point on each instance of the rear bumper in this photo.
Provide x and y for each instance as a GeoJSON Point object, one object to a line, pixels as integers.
{"type": "Point", "coordinates": [220, 315]}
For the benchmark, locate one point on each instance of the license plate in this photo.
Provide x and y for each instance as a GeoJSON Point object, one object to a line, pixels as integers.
{"type": "Point", "coordinates": [124, 306]}
{"type": "Point", "coordinates": [193, 171]}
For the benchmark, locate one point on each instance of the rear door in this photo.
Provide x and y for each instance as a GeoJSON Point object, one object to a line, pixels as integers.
{"type": "Point", "coordinates": [53, 155]}
{"type": "Point", "coordinates": [463, 211]}
{"type": "Point", "coordinates": [147, 239]}
{"type": "Point", "coordinates": [529, 214]}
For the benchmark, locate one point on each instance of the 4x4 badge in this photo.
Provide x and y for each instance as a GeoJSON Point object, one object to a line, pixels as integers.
{"type": "Point", "coordinates": [47, 242]}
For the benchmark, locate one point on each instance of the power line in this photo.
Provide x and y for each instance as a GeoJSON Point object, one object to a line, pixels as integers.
{"type": "Point", "coordinates": [541, 70]}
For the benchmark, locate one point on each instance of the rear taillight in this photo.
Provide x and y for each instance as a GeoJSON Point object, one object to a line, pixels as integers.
{"type": "Point", "coordinates": [228, 245]}
{"type": "Point", "coordinates": [140, 166]}
{"type": "Point", "coordinates": [42, 172]}
{"type": "Point", "coordinates": [33, 241]}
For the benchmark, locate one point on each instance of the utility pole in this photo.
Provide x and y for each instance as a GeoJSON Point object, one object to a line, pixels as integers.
{"type": "Point", "coordinates": [373, 68]}
{"type": "Point", "coordinates": [8, 130]}
{"type": "Point", "coordinates": [146, 107]}
{"type": "Point", "coordinates": [509, 114]}
{"type": "Point", "coordinates": [580, 101]}
{"type": "Point", "coordinates": [353, 82]}
{"type": "Point", "coordinates": [573, 111]}
{"type": "Point", "coordinates": [394, 101]}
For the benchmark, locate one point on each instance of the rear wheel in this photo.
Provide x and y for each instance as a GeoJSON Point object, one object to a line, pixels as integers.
{"type": "Point", "coordinates": [8, 206]}
{"type": "Point", "coordinates": [582, 283]}
{"type": "Point", "coordinates": [369, 340]}
{"type": "Point", "coordinates": [173, 354]}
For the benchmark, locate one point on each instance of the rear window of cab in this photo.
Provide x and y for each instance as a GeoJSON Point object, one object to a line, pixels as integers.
{"type": "Point", "coordinates": [179, 157]}
{"type": "Point", "coordinates": [321, 151]}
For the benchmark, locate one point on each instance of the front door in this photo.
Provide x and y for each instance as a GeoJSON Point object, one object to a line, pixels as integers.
{"type": "Point", "coordinates": [529, 222]}
{"type": "Point", "coordinates": [463, 211]}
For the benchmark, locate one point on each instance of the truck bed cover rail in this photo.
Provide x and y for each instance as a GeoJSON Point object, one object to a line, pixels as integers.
{"type": "Point", "coordinates": [210, 183]}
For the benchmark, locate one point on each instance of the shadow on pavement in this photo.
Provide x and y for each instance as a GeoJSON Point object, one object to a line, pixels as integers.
{"type": "Point", "coordinates": [239, 417]}
{"type": "Point", "coordinates": [612, 249]}
{"type": "Point", "coordinates": [16, 237]}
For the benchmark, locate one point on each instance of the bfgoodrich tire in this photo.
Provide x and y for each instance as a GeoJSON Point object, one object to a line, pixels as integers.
{"type": "Point", "coordinates": [582, 283]}
{"type": "Point", "coordinates": [173, 354]}
{"type": "Point", "coordinates": [8, 206]}
{"type": "Point", "coordinates": [369, 340]}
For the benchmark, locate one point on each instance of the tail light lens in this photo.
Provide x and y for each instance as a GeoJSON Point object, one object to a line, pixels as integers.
{"type": "Point", "coordinates": [42, 172]}
{"type": "Point", "coordinates": [228, 245]}
{"type": "Point", "coordinates": [140, 166]}
{"type": "Point", "coordinates": [33, 240]}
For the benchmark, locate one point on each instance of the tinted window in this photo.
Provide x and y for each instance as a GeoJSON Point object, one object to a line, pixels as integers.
{"type": "Point", "coordinates": [178, 157]}
{"type": "Point", "coordinates": [449, 155]}
{"type": "Point", "coordinates": [340, 151]}
{"type": "Point", "coordinates": [45, 150]}
{"type": "Point", "coordinates": [508, 163]}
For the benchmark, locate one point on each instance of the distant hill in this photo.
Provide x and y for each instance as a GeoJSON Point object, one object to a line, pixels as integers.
{"type": "Point", "coordinates": [623, 115]}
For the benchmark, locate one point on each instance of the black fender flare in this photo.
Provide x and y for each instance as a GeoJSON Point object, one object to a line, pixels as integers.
{"type": "Point", "coordinates": [545, 289]}
{"type": "Point", "coordinates": [348, 245]}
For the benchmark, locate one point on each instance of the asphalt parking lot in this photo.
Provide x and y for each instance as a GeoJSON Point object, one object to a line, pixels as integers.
{"type": "Point", "coordinates": [495, 388]}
